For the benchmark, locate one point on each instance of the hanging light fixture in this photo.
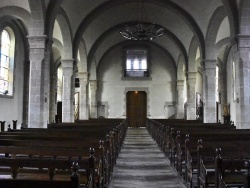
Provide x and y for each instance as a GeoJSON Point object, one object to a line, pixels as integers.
{"type": "Point", "coordinates": [142, 30]}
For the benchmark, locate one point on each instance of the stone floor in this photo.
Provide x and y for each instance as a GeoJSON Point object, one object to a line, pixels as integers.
{"type": "Point", "coordinates": [141, 164]}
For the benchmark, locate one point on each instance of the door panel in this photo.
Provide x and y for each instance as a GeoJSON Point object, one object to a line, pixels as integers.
{"type": "Point", "coordinates": [136, 108]}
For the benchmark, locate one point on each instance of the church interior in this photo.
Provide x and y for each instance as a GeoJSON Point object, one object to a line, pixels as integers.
{"type": "Point", "coordinates": [143, 64]}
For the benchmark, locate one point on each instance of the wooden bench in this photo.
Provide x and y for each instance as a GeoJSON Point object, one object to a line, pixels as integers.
{"type": "Point", "coordinates": [172, 140]}
{"type": "Point", "coordinates": [68, 142]}
{"type": "Point", "coordinates": [227, 168]}
{"type": "Point", "coordinates": [50, 165]}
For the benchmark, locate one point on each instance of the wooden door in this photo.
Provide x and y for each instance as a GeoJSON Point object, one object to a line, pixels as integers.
{"type": "Point", "coordinates": [136, 108]}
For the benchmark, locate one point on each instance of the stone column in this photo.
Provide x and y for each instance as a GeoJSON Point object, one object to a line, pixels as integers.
{"type": "Point", "coordinates": [83, 77]}
{"type": "Point", "coordinates": [191, 109]}
{"type": "Point", "coordinates": [37, 86]}
{"type": "Point", "coordinates": [47, 78]}
{"type": "Point", "coordinates": [242, 83]}
{"type": "Point", "coordinates": [26, 93]}
{"type": "Point", "coordinates": [209, 83]}
{"type": "Point", "coordinates": [93, 101]}
{"type": "Point", "coordinates": [53, 94]}
{"type": "Point", "coordinates": [180, 99]}
{"type": "Point", "coordinates": [67, 99]}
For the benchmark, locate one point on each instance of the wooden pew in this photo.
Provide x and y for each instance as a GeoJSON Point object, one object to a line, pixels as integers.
{"type": "Point", "coordinates": [177, 139]}
{"type": "Point", "coordinates": [51, 165]}
{"type": "Point", "coordinates": [189, 154]}
{"type": "Point", "coordinates": [68, 138]}
{"type": "Point", "coordinates": [227, 169]}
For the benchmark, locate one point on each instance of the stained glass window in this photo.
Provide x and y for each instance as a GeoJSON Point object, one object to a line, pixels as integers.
{"type": "Point", "coordinates": [5, 61]}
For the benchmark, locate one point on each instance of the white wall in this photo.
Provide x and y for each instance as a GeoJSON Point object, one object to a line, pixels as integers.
{"type": "Point", "coordinates": [160, 89]}
{"type": "Point", "coordinates": [12, 108]}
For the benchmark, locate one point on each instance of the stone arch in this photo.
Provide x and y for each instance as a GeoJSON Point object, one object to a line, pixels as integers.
{"type": "Point", "coordinates": [51, 13]}
{"type": "Point", "coordinates": [114, 29]}
{"type": "Point", "coordinates": [57, 44]}
{"type": "Point", "coordinates": [192, 56]}
{"type": "Point", "coordinates": [66, 35]}
{"type": "Point", "coordinates": [19, 63]}
{"type": "Point", "coordinates": [109, 4]}
{"type": "Point", "coordinates": [212, 31]}
{"type": "Point", "coordinates": [233, 15]}
{"type": "Point", "coordinates": [38, 11]}
{"type": "Point", "coordinates": [16, 13]}
{"type": "Point", "coordinates": [82, 64]}
{"type": "Point", "coordinates": [125, 43]}
{"type": "Point", "coordinates": [181, 68]}
{"type": "Point", "coordinates": [92, 70]}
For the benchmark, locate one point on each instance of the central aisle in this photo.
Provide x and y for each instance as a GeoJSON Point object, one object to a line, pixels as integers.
{"type": "Point", "coordinates": [141, 164]}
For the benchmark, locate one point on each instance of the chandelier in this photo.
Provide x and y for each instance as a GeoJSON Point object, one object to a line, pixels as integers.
{"type": "Point", "coordinates": [142, 31]}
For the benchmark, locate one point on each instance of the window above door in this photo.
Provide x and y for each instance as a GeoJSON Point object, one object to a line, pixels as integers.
{"type": "Point", "coordinates": [136, 63]}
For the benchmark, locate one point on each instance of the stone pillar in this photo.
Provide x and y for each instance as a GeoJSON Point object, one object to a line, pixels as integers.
{"type": "Point", "coordinates": [209, 91]}
{"type": "Point", "coordinates": [67, 99]}
{"type": "Point", "coordinates": [26, 93]}
{"type": "Point", "coordinates": [191, 109]}
{"type": "Point", "coordinates": [180, 98]}
{"type": "Point", "coordinates": [37, 86]}
{"type": "Point", "coordinates": [53, 94]}
{"type": "Point", "coordinates": [47, 78]}
{"type": "Point", "coordinates": [93, 101]}
{"type": "Point", "coordinates": [83, 77]}
{"type": "Point", "coordinates": [242, 83]}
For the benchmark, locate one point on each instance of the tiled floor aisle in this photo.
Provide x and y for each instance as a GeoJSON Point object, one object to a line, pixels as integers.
{"type": "Point", "coordinates": [141, 164]}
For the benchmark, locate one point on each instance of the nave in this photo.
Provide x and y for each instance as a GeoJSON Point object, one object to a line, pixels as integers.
{"type": "Point", "coordinates": [142, 164]}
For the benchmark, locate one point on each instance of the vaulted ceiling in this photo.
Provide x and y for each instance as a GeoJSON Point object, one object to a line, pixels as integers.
{"type": "Point", "coordinates": [97, 22]}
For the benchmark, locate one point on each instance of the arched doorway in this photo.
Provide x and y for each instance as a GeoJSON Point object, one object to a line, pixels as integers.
{"type": "Point", "coordinates": [136, 108]}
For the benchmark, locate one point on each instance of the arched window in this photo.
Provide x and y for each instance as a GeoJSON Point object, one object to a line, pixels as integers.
{"type": "Point", "coordinates": [7, 61]}
{"type": "Point", "coordinates": [217, 84]}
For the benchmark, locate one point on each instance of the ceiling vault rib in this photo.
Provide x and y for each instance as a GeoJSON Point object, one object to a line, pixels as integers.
{"type": "Point", "coordinates": [110, 4]}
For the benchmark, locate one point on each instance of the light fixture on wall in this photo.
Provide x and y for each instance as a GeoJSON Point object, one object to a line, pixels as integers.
{"type": "Point", "coordinates": [141, 30]}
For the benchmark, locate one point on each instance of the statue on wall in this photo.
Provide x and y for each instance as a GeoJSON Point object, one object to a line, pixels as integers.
{"type": "Point", "coordinates": [225, 110]}
{"type": "Point", "coordinates": [200, 111]}
{"type": "Point", "coordinates": [226, 114]}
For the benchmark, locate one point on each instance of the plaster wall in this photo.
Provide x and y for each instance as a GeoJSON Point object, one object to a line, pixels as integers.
{"type": "Point", "coordinates": [12, 108]}
{"type": "Point", "coordinates": [160, 88]}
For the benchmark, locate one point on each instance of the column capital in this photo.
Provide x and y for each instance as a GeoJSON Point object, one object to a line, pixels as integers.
{"type": "Point", "coordinates": [93, 82]}
{"type": "Point", "coordinates": [67, 63]}
{"type": "Point", "coordinates": [83, 75]}
{"type": "Point", "coordinates": [37, 42]}
{"type": "Point", "coordinates": [243, 41]}
{"type": "Point", "coordinates": [67, 67]}
{"type": "Point", "coordinates": [192, 75]}
{"type": "Point", "coordinates": [180, 82]}
{"type": "Point", "coordinates": [209, 63]}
